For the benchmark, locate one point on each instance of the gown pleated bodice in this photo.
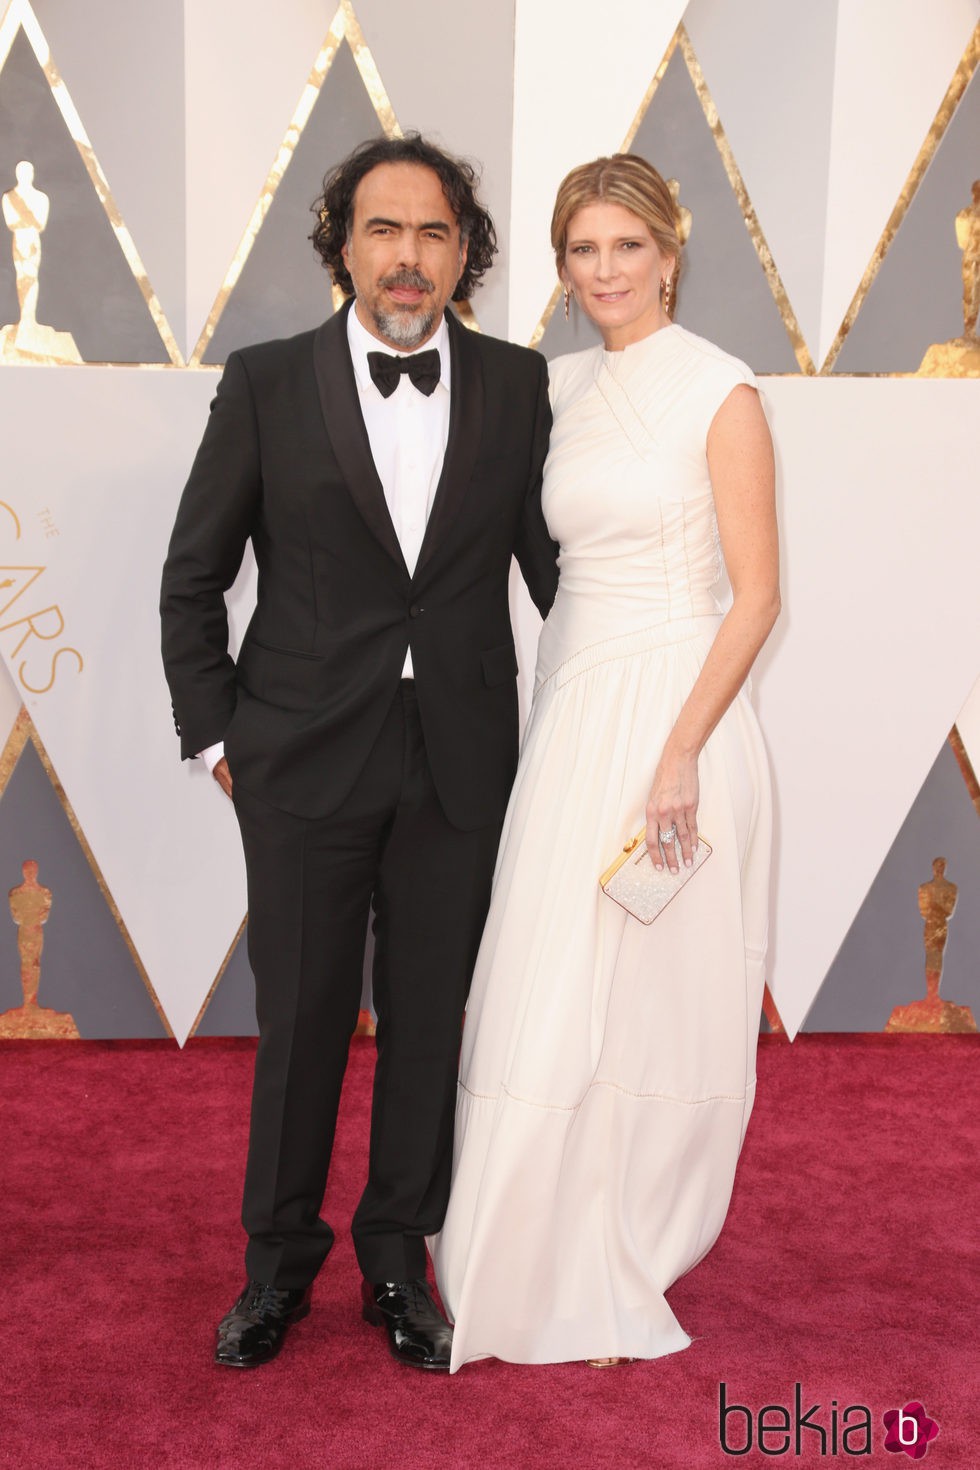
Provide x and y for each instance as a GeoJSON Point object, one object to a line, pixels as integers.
{"type": "Point", "coordinates": [627, 492]}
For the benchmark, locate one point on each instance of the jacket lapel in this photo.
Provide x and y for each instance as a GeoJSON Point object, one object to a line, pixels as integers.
{"type": "Point", "coordinates": [465, 426]}
{"type": "Point", "coordinates": [348, 436]}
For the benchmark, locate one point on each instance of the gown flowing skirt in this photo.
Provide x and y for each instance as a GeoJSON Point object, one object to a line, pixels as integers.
{"type": "Point", "coordinates": [608, 1067]}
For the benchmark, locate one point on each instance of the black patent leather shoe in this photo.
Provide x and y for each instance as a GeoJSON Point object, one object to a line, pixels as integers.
{"type": "Point", "coordinates": [253, 1331]}
{"type": "Point", "coordinates": [418, 1334]}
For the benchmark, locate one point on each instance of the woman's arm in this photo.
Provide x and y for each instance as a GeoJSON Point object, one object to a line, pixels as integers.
{"type": "Point", "coordinates": [740, 463]}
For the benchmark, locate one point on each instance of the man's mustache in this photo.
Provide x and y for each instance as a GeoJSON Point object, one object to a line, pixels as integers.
{"type": "Point", "coordinates": [413, 279]}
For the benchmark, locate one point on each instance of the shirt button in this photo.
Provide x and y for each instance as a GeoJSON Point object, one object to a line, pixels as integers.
{"type": "Point", "coordinates": [415, 610]}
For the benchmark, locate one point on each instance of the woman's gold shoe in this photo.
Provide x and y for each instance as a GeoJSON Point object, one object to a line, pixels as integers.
{"type": "Point", "coordinates": [607, 1362]}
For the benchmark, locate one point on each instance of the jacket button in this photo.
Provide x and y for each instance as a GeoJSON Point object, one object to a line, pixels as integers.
{"type": "Point", "coordinates": [415, 611]}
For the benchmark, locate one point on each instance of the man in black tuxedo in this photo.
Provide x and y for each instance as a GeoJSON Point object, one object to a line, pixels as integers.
{"type": "Point", "coordinates": [368, 732]}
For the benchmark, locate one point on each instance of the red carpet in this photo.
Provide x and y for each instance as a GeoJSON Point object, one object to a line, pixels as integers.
{"type": "Point", "coordinates": [848, 1265]}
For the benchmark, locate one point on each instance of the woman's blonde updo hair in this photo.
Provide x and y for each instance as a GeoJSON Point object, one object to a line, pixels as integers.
{"type": "Point", "coordinates": [625, 179]}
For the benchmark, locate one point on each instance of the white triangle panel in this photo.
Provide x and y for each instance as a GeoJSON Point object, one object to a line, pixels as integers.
{"type": "Point", "coordinates": [95, 494]}
{"type": "Point", "coordinates": [11, 699]}
{"type": "Point", "coordinates": [864, 675]}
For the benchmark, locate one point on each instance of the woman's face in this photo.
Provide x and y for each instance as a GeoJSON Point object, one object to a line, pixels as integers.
{"type": "Point", "coordinates": [613, 267]}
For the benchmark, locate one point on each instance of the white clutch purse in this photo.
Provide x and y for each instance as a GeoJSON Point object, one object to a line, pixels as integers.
{"type": "Point", "coordinates": [634, 883]}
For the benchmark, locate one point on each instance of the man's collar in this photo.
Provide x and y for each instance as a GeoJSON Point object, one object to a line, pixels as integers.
{"type": "Point", "coordinates": [361, 342]}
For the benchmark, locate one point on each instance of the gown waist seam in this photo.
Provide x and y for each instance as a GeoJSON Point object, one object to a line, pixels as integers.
{"type": "Point", "coordinates": [624, 645]}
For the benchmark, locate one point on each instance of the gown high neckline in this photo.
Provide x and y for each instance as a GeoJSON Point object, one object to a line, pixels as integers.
{"type": "Point", "coordinates": [634, 352]}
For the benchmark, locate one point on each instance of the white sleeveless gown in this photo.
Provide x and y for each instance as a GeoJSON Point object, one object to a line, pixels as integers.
{"type": "Point", "coordinates": [608, 1068]}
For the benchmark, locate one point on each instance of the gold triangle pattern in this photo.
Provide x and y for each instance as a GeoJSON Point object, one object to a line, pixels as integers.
{"type": "Point", "coordinates": [966, 767]}
{"type": "Point", "coordinates": [759, 242]}
{"type": "Point", "coordinates": [961, 79]}
{"type": "Point", "coordinates": [682, 40]}
{"type": "Point", "coordinates": [366, 1024]}
{"type": "Point", "coordinates": [771, 1013]}
{"type": "Point", "coordinates": [22, 732]}
{"type": "Point", "coordinates": [13, 748]}
{"type": "Point", "coordinates": [20, 16]}
{"type": "Point", "coordinates": [217, 979]}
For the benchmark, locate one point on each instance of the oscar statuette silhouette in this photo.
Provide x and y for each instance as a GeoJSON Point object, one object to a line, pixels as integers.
{"type": "Point", "coordinates": [30, 905]}
{"type": "Point", "coordinates": [937, 901]}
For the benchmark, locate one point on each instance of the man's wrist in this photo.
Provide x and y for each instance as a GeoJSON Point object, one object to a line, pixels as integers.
{"type": "Point", "coordinates": [212, 755]}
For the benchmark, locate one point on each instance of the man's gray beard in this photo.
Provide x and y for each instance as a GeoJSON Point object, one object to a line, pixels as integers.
{"type": "Point", "coordinates": [404, 330]}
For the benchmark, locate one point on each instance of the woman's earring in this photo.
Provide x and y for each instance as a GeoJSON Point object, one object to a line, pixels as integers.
{"type": "Point", "coordinates": [667, 284]}
{"type": "Point", "coordinates": [568, 297]}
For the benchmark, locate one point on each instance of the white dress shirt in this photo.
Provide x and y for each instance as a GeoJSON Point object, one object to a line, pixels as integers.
{"type": "Point", "coordinates": [408, 433]}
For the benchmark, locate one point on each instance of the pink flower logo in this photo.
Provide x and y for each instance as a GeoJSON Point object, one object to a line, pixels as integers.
{"type": "Point", "coordinates": [909, 1429]}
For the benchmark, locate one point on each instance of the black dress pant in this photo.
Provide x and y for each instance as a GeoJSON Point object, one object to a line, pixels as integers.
{"type": "Point", "coordinates": [311, 885]}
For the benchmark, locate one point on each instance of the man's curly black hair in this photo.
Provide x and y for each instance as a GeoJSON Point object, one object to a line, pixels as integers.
{"type": "Point", "coordinates": [335, 207]}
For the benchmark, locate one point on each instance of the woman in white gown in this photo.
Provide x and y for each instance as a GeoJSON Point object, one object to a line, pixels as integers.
{"type": "Point", "coordinates": [608, 1068]}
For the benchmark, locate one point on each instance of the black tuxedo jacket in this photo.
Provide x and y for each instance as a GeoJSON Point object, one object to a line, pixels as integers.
{"type": "Point", "coordinates": [285, 461]}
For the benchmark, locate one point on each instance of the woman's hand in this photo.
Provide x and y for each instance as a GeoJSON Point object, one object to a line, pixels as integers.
{"type": "Point", "coordinates": [672, 812]}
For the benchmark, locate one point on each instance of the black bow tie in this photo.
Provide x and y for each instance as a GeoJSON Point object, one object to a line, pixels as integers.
{"type": "Point", "coordinates": [424, 369]}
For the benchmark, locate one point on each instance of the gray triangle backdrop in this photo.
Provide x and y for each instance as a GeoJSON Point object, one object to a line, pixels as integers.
{"type": "Point", "coordinates": [916, 297]}
{"type": "Point", "coordinates": [85, 285]}
{"type": "Point", "coordinates": [86, 968]}
{"type": "Point", "coordinates": [724, 294]}
{"type": "Point", "coordinates": [881, 963]}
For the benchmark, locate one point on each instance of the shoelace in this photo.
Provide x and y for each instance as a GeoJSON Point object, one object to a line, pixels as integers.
{"type": "Point", "coordinates": [263, 1298]}
{"type": "Point", "coordinates": [416, 1290]}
